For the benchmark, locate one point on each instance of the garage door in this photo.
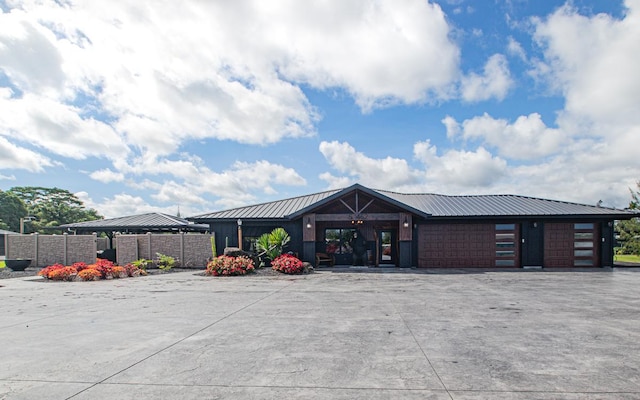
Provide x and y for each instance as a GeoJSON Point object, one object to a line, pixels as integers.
{"type": "Point", "coordinates": [468, 245]}
{"type": "Point", "coordinates": [571, 245]}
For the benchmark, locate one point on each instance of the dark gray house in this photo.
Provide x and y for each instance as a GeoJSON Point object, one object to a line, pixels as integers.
{"type": "Point", "coordinates": [428, 230]}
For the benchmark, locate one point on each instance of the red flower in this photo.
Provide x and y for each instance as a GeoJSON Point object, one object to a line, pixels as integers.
{"type": "Point", "coordinates": [288, 264]}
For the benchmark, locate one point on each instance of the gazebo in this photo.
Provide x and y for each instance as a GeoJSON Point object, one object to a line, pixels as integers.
{"type": "Point", "coordinates": [142, 223]}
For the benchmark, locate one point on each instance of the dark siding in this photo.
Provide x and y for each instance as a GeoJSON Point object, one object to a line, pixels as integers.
{"type": "Point", "coordinates": [229, 230]}
{"type": "Point", "coordinates": [607, 244]}
{"type": "Point", "coordinates": [404, 256]}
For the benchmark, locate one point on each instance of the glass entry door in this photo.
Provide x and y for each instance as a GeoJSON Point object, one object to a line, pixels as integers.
{"type": "Point", "coordinates": [387, 247]}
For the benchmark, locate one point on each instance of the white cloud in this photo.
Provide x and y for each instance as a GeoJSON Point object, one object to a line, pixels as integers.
{"type": "Point", "coordinates": [495, 81]}
{"type": "Point", "coordinates": [15, 157]}
{"type": "Point", "coordinates": [515, 49]}
{"type": "Point", "coordinates": [380, 52]}
{"type": "Point", "coordinates": [528, 138]}
{"type": "Point", "coordinates": [106, 175]}
{"type": "Point", "coordinates": [593, 61]}
{"type": "Point", "coordinates": [456, 170]}
{"type": "Point", "coordinates": [160, 84]}
{"type": "Point", "coordinates": [58, 128]}
{"type": "Point", "coordinates": [386, 173]}
{"type": "Point", "coordinates": [336, 182]}
{"type": "Point", "coordinates": [122, 205]}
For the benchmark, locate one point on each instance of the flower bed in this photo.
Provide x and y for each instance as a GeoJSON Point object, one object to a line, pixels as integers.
{"type": "Point", "coordinates": [228, 266]}
{"type": "Point", "coordinates": [102, 269]}
{"type": "Point", "coordinates": [287, 264]}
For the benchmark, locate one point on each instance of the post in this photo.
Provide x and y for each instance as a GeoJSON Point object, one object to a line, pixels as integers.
{"type": "Point", "coordinates": [35, 251]}
{"type": "Point", "coordinates": [239, 233]}
{"type": "Point", "coordinates": [64, 241]}
{"type": "Point", "coordinates": [182, 248]}
{"type": "Point", "coordinates": [95, 245]}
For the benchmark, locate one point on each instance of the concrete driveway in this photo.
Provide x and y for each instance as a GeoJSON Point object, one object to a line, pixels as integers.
{"type": "Point", "coordinates": [329, 335]}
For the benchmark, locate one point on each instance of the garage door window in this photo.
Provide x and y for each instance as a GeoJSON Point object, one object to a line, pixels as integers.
{"type": "Point", "coordinates": [505, 245]}
{"type": "Point", "coordinates": [583, 250]}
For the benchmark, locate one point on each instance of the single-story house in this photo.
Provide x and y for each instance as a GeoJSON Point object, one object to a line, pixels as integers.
{"type": "Point", "coordinates": [427, 230]}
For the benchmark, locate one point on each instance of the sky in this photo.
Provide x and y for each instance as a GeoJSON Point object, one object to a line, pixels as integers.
{"type": "Point", "coordinates": [198, 106]}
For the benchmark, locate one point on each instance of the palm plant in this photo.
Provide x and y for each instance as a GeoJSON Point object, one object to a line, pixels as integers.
{"type": "Point", "coordinates": [271, 245]}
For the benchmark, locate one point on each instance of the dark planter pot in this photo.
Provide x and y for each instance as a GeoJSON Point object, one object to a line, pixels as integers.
{"type": "Point", "coordinates": [17, 265]}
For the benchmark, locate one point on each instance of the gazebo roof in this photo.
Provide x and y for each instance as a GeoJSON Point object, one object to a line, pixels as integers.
{"type": "Point", "coordinates": [149, 222]}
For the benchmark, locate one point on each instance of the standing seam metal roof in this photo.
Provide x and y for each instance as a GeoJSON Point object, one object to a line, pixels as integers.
{"type": "Point", "coordinates": [141, 221]}
{"type": "Point", "coordinates": [272, 210]}
{"type": "Point", "coordinates": [436, 205]}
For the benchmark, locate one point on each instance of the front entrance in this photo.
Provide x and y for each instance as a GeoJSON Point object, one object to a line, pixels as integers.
{"type": "Point", "coordinates": [387, 249]}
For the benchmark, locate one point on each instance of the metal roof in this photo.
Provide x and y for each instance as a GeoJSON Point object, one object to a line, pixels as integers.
{"type": "Point", "coordinates": [500, 205]}
{"type": "Point", "coordinates": [3, 232]}
{"type": "Point", "coordinates": [141, 222]}
{"type": "Point", "coordinates": [272, 210]}
{"type": "Point", "coordinates": [435, 205]}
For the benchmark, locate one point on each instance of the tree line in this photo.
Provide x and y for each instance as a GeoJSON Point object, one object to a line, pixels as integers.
{"type": "Point", "coordinates": [628, 232]}
{"type": "Point", "coordinates": [42, 209]}
{"type": "Point", "coordinates": [46, 208]}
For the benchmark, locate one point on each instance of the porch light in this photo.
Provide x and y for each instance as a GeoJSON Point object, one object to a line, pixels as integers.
{"type": "Point", "coordinates": [308, 223]}
{"type": "Point", "coordinates": [239, 222]}
{"type": "Point", "coordinates": [405, 223]}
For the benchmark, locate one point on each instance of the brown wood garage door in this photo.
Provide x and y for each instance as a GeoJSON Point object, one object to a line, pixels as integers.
{"type": "Point", "coordinates": [569, 244]}
{"type": "Point", "coordinates": [468, 245]}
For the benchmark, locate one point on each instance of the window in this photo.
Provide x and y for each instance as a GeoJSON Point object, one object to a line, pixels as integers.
{"type": "Point", "coordinates": [583, 244]}
{"type": "Point", "coordinates": [337, 241]}
{"type": "Point", "coordinates": [583, 226]}
{"type": "Point", "coordinates": [505, 245]}
{"type": "Point", "coordinates": [249, 243]}
{"type": "Point", "coordinates": [505, 227]}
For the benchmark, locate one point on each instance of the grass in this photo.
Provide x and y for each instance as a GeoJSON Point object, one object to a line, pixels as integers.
{"type": "Point", "coordinates": [627, 258]}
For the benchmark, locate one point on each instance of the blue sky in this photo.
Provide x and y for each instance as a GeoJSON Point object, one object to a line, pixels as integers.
{"type": "Point", "coordinates": [201, 106]}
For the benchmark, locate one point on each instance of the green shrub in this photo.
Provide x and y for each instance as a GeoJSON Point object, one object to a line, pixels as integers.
{"type": "Point", "coordinates": [141, 263]}
{"type": "Point", "coordinates": [164, 262]}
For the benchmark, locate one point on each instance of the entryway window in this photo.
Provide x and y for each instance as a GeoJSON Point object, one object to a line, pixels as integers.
{"type": "Point", "coordinates": [338, 240]}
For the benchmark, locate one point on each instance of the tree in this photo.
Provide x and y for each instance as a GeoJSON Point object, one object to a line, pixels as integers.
{"type": "Point", "coordinates": [52, 207]}
{"type": "Point", "coordinates": [11, 210]}
{"type": "Point", "coordinates": [628, 232]}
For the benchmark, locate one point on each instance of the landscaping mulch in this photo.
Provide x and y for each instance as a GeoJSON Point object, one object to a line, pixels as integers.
{"type": "Point", "coordinates": [7, 273]}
